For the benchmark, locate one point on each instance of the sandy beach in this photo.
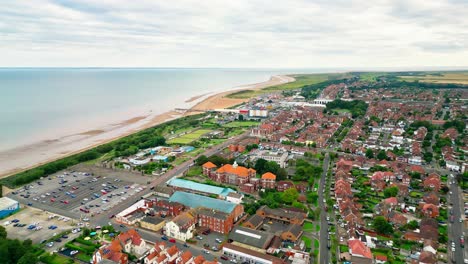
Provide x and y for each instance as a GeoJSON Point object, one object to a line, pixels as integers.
{"type": "Point", "coordinates": [21, 158]}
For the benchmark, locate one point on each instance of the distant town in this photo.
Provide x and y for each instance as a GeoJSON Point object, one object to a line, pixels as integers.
{"type": "Point", "coordinates": [354, 168]}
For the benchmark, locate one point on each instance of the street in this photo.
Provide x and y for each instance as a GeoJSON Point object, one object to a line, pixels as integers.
{"type": "Point", "coordinates": [456, 229]}
{"type": "Point", "coordinates": [324, 251]}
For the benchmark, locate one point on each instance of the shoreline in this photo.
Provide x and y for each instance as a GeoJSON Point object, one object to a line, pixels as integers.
{"type": "Point", "coordinates": [21, 158]}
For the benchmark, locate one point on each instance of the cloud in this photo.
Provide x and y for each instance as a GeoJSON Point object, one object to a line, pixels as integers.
{"type": "Point", "coordinates": [254, 33]}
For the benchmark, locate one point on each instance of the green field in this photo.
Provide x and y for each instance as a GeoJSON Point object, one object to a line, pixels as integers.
{"type": "Point", "coordinates": [242, 124]}
{"type": "Point", "coordinates": [189, 138]}
{"type": "Point", "coordinates": [301, 80]}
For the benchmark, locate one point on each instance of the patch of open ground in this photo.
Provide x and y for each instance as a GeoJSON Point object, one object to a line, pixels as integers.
{"type": "Point", "coordinates": [458, 77]}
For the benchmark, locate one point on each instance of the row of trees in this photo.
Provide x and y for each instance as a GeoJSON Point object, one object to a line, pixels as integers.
{"type": "Point", "coordinates": [13, 251]}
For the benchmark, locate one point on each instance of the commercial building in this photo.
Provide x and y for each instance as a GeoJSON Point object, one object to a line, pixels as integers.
{"type": "Point", "coordinates": [250, 238]}
{"type": "Point", "coordinates": [244, 255]}
{"type": "Point", "coordinates": [195, 187]}
{"type": "Point", "coordinates": [277, 156]}
{"type": "Point", "coordinates": [218, 215]}
{"type": "Point", "coordinates": [8, 206]}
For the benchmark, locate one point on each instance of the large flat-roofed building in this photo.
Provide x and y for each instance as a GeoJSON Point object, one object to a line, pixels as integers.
{"type": "Point", "coordinates": [195, 187]}
{"type": "Point", "coordinates": [199, 201]}
{"type": "Point", "coordinates": [8, 206]}
{"type": "Point", "coordinates": [250, 238]}
{"type": "Point", "coordinates": [245, 255]}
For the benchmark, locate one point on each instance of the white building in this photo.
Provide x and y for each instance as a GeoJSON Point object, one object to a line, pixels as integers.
{"type": "Point", "coordinates": [182, 226]}
{"type": "Point", "coordinates": [234, 197]}
{"type": "Point", "coordinates": [415, 160]}
{"type": "Point", "coordinates": [279, 157]}
{"type": "Point", "coordinates": [8, 206]}
{"type": "Point", "coordinates": [452, 165]}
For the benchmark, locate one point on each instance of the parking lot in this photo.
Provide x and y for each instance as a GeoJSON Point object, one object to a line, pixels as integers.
{"type": "Point", "coordinates": [76, 194]}
{"type": "Point", "coordinates": [40, 219]}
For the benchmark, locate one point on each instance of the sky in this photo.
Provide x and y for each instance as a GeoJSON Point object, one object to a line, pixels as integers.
{"type": "Point", "coordinates": [234, 34]}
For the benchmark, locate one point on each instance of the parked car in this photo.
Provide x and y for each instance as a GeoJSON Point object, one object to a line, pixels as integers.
{"type": "Point", "coordinates": [164, 238]}
{"type": "Point", "coordinates": [223, 257]}
{"type": "Point", "coordinates": [172, 240]}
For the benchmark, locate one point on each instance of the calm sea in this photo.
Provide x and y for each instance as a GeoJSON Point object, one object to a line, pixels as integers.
{"type": "Point", "coordinates": [38, 104]}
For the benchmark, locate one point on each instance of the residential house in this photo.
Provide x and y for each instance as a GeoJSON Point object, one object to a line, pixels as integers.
{"type": "Point", "coordinates": [182, 226]}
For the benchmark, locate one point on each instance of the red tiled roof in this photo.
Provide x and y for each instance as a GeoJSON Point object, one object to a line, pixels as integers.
{"type": "Point", "coordinates": [358, 248]}
{"type": "Point", "coordinates": [209, 165]}
{"type": "Point", "coordinates": [239, 170]}
{"type": "Point", "coordinates": [269, 176]}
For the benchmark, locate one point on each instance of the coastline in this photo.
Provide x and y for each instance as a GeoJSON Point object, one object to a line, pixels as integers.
{"type": "Point", "coordinates": [22, 158]}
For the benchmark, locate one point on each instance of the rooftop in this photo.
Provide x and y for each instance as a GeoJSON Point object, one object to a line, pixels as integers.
{"type": "Point", "coordinates": [251, 237]}
{"type": "Point", "coordinates": [200, 187]}
{"type": "Point", "coordinates": [7, 202]}
{"type": "Point", "coordinates": [194, 200]}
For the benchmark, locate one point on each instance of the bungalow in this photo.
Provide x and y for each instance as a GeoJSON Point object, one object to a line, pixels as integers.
{"type": "Point", "coordinates": [432, 182]}
{"type": "Point", "coordinates": [429, 210]}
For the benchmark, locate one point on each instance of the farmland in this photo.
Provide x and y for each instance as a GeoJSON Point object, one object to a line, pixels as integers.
{"type": "Point", "coordinates": [455, 77]}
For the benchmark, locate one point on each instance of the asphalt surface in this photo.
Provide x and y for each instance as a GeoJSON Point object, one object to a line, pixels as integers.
{"type": "Point", "coordinates": [324, 255]}
{"type": "Point", "coordinates": [456, 228]}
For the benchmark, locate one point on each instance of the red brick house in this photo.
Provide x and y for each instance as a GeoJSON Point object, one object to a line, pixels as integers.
{"type": "Point", "coordinates": [268, 180]}
{"type": "Point", "coordinates": [208, 168]}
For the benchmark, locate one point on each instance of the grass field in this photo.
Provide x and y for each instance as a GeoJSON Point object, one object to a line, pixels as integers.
{"type": "Point", "coordinates": [301, 80]}
{"type": "Point", "coordinates": [242, 124]}
{"type": "Point", "coordinates": [455, 77]}
{"type": "Point", "coordinates": [189, 138]}
{"type": "Point", "coordinates": [308, 227]}
{"type": "Point", "coordinates": [307, 241]}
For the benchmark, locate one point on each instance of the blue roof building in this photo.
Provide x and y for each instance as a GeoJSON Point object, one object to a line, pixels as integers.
{"type": "Point", "coordinates": [195, 200]}
{"type": "Point", "coordinates": [200, 187]}
{"type": "Point", "coordinates": [8, 206]}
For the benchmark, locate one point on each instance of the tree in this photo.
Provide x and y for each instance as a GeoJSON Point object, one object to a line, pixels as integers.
{"type": "Point", "coordinates": [260, 165]}
{"type": "Point", "coordinates": [391, 192]}
{"type": "Point", "coordinates": [3, 232]}
{"type": "Point", "coordinates": [201, 160]}
{"type": "Point", "coordinates": [382, 226]}
{"type": "Point", "coordinates": [290, 195]}
{"type": "Point", "coordinates": [369, 153]}
{"type": "Point", "coordinates": [382, 155]}
{"type": "Point", "coordinates": [412, 225]}
{"type": "Point", "coordinates": [1, 190]}
{"type": "Point", "coordinates": [28, 258]}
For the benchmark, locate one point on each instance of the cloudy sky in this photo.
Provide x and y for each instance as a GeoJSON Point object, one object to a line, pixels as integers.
{"type": "Point", "coordinates": [239, 33]}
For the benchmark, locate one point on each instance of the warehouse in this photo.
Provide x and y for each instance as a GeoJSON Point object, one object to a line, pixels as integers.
{"type": "Point", "coordinates": [8, 206]}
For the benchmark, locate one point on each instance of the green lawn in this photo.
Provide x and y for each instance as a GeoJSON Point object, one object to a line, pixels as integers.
{"type": "Point", "coordinates": [241, 124]}
{"type": "Point", "coordinates": [317, 227]}
{"type": "Point", "coordinates": [308, 227]}
{"type": "Point", "coordinates": [316, 243]}
{"type": "Point", "coordinates": [307, 241]}
{"type": "Point", "coordinates": [55, 259]}
{"type": "Point", "coordinates": [189, 138]}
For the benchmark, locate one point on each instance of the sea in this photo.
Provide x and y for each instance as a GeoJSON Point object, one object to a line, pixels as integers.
{"type": "Point", "coordinates": [39, 104]}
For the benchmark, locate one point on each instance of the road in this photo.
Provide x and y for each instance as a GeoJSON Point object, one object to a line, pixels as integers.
{"type": "Point", "coordinates": [456, 228]}
{"type": "Point", "coordinates": [324, 252]}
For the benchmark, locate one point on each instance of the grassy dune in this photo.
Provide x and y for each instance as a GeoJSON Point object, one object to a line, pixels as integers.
{"type": "Point", "coordinates": [453, 77]}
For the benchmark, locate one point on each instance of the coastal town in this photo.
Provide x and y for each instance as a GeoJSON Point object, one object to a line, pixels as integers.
{"type": "Point", "coordinates": [358, 168]}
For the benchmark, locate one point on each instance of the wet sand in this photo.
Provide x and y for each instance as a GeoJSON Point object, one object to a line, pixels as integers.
{"type": "Point", "coordinates": [25, 157]}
